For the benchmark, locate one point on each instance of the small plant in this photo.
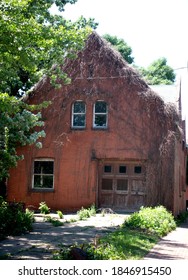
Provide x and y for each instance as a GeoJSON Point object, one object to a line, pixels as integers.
{"type": "Point", "coordinates": [53, 221]}
{"type": "Point", "coordinates": [43, 207]}
{"type": "Point", "coordinates": [60, 214]}
{"type": "Point", "coordinates": [86, 213]}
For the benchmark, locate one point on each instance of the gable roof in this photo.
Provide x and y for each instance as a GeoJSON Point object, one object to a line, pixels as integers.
{"type": "Point", "coordinates": [169, 93]}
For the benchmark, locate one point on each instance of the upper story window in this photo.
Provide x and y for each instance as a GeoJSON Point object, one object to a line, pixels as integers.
{"type": "Point", "coordinates": [79, 114]}
{"type": "Point", "coordinates": [100, 114]}
{"type": "Point", "coordinates": [43, 174]}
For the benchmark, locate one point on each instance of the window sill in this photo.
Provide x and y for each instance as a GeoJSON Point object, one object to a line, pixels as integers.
{"type": "Point", "coordinates": [100, 128]}
{"type": "Point", "coordinates": [78, 128]}
{"type": "Point", "coordinates": [42, 190]}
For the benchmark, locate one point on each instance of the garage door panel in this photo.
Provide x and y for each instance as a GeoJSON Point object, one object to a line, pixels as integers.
{"type": "Point", "coordinates": [122, 185]}
{"type": "Point", "coordinates": [121, 201]}
{"type": "Point", "coordinates": [106, 199]}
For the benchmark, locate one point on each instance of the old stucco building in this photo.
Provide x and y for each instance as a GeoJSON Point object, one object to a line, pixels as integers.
{"type": "Point", "coordinates": [110, 140]}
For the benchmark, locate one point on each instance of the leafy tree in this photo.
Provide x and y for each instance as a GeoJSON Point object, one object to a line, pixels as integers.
{"type": "Point", "coordinates": [158, 73]}
{"type": "Point", "coordinates": [121, 46]}
{"type": "Point", "coordinates": [32, 41]}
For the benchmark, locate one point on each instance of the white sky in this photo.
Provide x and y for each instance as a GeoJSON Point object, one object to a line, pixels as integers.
{"type": "Point", "coordinates": [152, 28]}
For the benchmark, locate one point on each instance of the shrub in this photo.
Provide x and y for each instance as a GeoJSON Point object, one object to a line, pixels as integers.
{"type": "Point", "coordinates": [14, 220]}
{"type": "Point", "coordinates": [43, 207]}
{"type": "Point", "coordinates": [156, 220]}
{"type": "Point", "coordinates": [86, 213]}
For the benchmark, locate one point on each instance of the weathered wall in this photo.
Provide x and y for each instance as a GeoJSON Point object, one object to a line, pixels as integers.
{"type": "Point", "coordinates": [138, 126]}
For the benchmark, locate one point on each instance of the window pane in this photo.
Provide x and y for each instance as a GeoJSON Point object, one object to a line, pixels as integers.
{"type": "Point", "coordinates": [37, 181]}
{"type": "Point", "coordinates": [48, 181]}
{"type": "Point", "coordinates": [37, 167]}
{"type": "Point", "coordinates": [43, 181]}
{"type": "Point", "coordinates": [107, 184]}
{"type": "Point", "coordinates": [107, 168]}
{"type": "Point", "coordinates": [100, 107]}
{"type": "Point", "coordinates": [100, 120]}
{"type": "Point", "coordinates": [138, 169]}
{"type": "Point", "coordinates": [79, 120]}
{"type": "Point", "coordinates": [122, 185]}
{"type": "Point", "coordinates": [79, 107]}
{"type": "Point", "coordinates": [48, 167]}
{"type": "Point", "coordinates": [43, 167]}
{"type": "Point", "coordinates": [122, 169]}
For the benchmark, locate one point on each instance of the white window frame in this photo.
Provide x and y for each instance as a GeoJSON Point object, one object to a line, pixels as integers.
{"type": "Point", "coordinates": [76, 114]}
{"type": "Point", "coordinates": [42, 174]}
{"type": "Point", "coordinates": [101, 114]}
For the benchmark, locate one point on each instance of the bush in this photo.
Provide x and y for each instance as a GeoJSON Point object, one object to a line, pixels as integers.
{"type": "Point", "coordinates": [14, 220]}
{"type": "Point", "coordinates": [86, 213]}
{"type": "Point", "coordinates": [156, 220]}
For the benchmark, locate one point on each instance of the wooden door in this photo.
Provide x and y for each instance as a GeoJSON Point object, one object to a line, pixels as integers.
{"type": "Point", "coordinates": [121, 185]}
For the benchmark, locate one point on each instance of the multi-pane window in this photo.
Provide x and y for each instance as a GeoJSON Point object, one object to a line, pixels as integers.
{"type": "Point", "coordinates": [79, 114]}
{"type": "Point", "coordinates": [100, 115]}
{"type": "Point", "coordinates": [43, 174]}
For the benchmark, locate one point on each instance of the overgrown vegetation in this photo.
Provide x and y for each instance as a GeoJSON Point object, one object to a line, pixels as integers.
{"type": "Point", "coordinates": [86, 213]}
{"type": "Point", "coordinates": [14, 219]}
{"type": "Point", "coordinates": [132, 240]}
{"type": "Point", "coordinates": [155, 220]}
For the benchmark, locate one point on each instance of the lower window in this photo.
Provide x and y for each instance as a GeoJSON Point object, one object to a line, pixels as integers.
{"type": "Point", "coordinates": [43, 174]}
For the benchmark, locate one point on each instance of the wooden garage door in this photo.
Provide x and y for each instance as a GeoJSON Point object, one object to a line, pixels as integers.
{"type": "Point", "coordinates": [122, 185]}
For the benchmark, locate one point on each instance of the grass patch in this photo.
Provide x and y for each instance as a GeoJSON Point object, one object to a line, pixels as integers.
{"type": "Point", "coordinates": [123, 244]}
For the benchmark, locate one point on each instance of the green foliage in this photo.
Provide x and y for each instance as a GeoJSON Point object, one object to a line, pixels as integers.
{"type": "Point", "coordinates": [43, 207]}
{"type": "Point", "coordinates": [158, 73]}
{"type": "Point", "coordinates": [17, 124]}
{"type": "Point", "coordinates": [33, 40]}
{"type": "Point", "coordinates": [60, 214]}
{"type": "Point", "coordinates": [119, 245]}
{"type": "Point", "coordinates": [14, 220]}
{"type": "Point", "coordinates": [53, 221]}
{"type": "Point", "coordinates": [181, 218]}
{"type": "Point", "coordinates": [121, 46]}
{"type": "Point", "coordinates": [155, 220]}
{"type": "Point", "coordinates": [85, 213]}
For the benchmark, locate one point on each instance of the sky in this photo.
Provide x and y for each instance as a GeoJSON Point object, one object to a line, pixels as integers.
{"type": "Point", "coordinates": [152, 28]}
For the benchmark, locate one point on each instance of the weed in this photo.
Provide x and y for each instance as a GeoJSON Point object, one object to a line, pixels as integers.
{"type": "Point", "coordinates": [60, 214]}
{"type": "Point", "coordinates": [43, 207]}
{"type": "Point", "coordinates": [53, 221]}
{"type": "Point", "coordinates": [86, 213]}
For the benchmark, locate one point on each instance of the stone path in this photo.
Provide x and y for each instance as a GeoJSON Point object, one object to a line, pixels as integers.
{"type": "Point", "coordinates": [45, 238]}
{"type": "Point", "coordinates": [174, 246]}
